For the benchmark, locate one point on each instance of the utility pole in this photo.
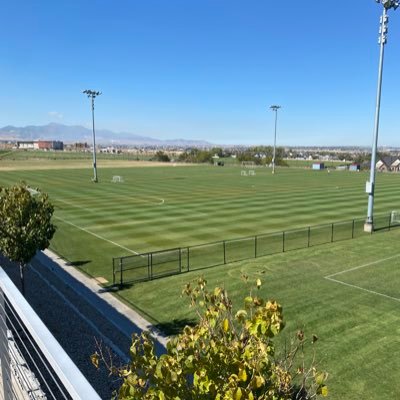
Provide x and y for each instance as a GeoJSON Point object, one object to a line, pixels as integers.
{"type": "Point", "coordinates": [92, 94]}
{"type": "Point", "coordinates": [370, 185]}
{"type": "Point", "coordinates": [274, 108]}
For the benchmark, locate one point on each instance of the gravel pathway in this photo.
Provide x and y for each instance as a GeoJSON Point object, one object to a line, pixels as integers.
{"type": "Point", "coordinates": [76, 319]}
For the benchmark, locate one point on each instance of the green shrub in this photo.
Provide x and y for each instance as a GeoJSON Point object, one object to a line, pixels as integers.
{"type": "Point", "coordinates": [227, 355]}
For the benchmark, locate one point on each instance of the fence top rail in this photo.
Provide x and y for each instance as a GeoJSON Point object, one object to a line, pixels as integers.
{"type": "Point", "coordinates": [165, 251]}
{"type": "Point", "coordinates": [148, 253]}
{"type": "Point", "coordinates": [69, 374]}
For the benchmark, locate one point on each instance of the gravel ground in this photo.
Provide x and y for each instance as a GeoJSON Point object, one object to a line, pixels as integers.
{"type": "Point", "coordinates": [74, 322]}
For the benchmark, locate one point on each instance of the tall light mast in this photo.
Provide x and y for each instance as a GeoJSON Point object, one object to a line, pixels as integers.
{"type": "Point", "coordinates": [92, 94]}
{"type": "Point", "coordinates": [370, 186]}
{"type": "Point", "coordinates": [274, 108]}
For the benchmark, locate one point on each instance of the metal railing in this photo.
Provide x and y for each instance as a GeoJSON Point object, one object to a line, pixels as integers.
{"type": "Point", "coordinates": [152, 265]}
{"type": "Point", "coordinates": [33, 364]}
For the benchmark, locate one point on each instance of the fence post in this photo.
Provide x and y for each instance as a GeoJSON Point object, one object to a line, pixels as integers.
{"type": "Point", "coordinates": [332, 234]}
{"type": "Point", "coordinates": [6, 388]}
{"type": "Point", "coordinates": [188, 259]}
{"type": "Point", "coordinates": [309, 234]}
{"type": "Point", "coordinates": [224, 252]}
{"type": "Point", "coordinates": [390, 219]}
{"type": "Point", "coordinates": [180, 260]}
{"type": "Point", "coordinates": [121, 280]}
{"type": "Point", "coordinates": [352, 230]}
{"type": "Point", "coordinates": [151, 266]}
{"type": "Point", "coordinates": [255, 246]}
{"type": "Point", "coordinates": [113, 271]}
{"type": "Point", "coordinates": [283, 241]}
{"type": "Point", "coordinates": [148, 266]}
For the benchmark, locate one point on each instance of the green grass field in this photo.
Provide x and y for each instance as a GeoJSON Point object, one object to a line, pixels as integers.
{"type": "Point", "coordinates": [166, 207]}
{"type": "Point", "coordinates": [19, 155]}
{"type": "Point", "coordinates": [346, 292]}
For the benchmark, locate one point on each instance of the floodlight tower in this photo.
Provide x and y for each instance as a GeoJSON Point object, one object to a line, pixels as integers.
{"type": "Point", "coordinates": [274, 108]}
{"type": "Point", "coordinates": [92, 94]}
{"type": "Point", "coordinates": [370, 186]}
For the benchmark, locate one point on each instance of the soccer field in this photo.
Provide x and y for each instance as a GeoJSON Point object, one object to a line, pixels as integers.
{"type": "Point", "coordinates": [165, 207]}
{"type": "Point", "coordinates": [346, 292]}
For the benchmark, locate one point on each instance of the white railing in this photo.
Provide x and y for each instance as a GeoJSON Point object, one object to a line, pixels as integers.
{"type": "Point", "coordinates": [33, 364]}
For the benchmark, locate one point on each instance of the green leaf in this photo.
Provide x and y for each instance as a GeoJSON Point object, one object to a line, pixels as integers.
{"type": "Point", "coordinates": [226, 325]}
{"type": "Point", "coordinates": [324, 391]}
{"type": "Point", "coordinates": [242, 375]}
{"type": "Point", "coordinates": [238, 393]}
{"type": "Point", "coordinates": [248, 301]}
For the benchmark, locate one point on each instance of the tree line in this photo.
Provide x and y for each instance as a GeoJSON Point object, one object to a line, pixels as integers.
{"type": "Point", "coordinates": [259, 155]}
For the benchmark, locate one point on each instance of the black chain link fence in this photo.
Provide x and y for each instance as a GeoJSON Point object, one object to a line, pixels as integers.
{"type": "Point", "coordinates": [152, 265]}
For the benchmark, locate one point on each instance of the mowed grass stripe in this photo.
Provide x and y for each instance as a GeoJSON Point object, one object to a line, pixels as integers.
{"type": "Point", "coordinates": [201, 203]}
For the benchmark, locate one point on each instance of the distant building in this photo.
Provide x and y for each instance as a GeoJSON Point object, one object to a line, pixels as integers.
{"type": "Point", "coordinates": [395, 167]}
{"type": "Point", "coordinates": [318, 166]}
{"type": "Point", "coordinates": [27, 145]}
{"type": "Point", "coordinates": [50, 145]}
{"type": "Point", "coordinates": [388, 164]}
{"type": "Point", "coordinates": [354, 167]}
{"type": "Point", "coordinates": [40, 145]}
{"type": "Point", "coordinates": [78, 147]}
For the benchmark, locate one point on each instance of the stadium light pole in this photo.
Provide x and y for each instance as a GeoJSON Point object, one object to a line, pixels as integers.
{"type": "Point", "coordinates": [92, 94]}
{"type": "Point", "coordinates": [274, 108]}
{"type": "Point", "coordinates": [370, 186]}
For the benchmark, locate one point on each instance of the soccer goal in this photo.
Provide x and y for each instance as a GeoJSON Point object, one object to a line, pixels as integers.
{"type": "Point", "coordinates": [395, 218]}
{"type": "Point", "coordinates": [248, 164]}
{"type": "Point", "coordinates": [117, 179]}
{"type": "Point", "coordinates": [249, 172]}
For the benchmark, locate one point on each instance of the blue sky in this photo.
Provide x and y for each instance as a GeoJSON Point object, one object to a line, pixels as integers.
{"type": "Point", "coordinates": [202, 69]}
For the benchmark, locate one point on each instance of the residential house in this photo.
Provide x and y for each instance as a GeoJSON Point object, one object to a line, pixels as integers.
{"type": "Point", "coordinates": [388, 164]}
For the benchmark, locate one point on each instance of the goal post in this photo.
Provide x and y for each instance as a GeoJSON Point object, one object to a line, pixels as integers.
{"type": "Point", "coordinates": [395, 217]}
{"type": "Point", "coordinates": [248, 164]}
{"type": "Point", "coordinates": [117, 179]}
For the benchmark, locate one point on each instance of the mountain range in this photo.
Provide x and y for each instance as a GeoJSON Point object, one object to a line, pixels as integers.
{"type": "Point", "coordinates": [76, 133]}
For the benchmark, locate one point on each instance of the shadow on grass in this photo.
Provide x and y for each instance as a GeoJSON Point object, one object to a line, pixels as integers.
{"type": "Point", "coordinates": [175, 326]}
{"type": "Point", "coordinates": [78, 263]}
{"type": "Point", "coordinates": [117, 287]}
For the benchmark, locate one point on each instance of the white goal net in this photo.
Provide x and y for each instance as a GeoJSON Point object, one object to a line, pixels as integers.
{"type": "Point", "coordinates": [395, 217]}
{"type": "Point", "coordinates": [248, 164]}
{"type": "Point", "coordinates": [117, 179]}
{"type": "Point", "coordinates": [249, 172]}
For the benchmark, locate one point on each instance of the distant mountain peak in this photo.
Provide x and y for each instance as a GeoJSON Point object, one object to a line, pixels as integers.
{"type": "Point", "coordinates": [77, 133]}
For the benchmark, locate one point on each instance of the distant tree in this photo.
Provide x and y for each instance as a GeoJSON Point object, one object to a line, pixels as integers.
{"type": "Point", "coordinates": [218, 151]}
{"type": "Point", "coordinates": [196, 156]}
{"type": "Point", "coordinates": [25, 224]}
{"type": "Point", "coordinates": [161, 156]}
{"type": "Point", "coordinates": [364, 158]}
{"type": "Point", "coordinates": [227, 355]}
{"type": "Point", "coordinates": [262, 155]}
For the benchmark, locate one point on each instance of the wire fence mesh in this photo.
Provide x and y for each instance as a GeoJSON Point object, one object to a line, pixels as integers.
{"type": "Point", "coordinates": [152, 265]}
